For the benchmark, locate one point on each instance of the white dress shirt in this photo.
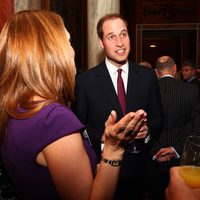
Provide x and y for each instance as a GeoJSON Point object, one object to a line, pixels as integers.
{"type": "Point", "coordinates": [112, 69]}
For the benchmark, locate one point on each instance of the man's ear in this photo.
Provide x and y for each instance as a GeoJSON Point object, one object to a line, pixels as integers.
{"type": "Point", "coordinates": [101, 43]}
{"type": "Point", "coordinates": [174, 68]}
{"type": "Point", "coordinates": [158, 74]}
{"type": "Point", "coordinates": [194, 71]}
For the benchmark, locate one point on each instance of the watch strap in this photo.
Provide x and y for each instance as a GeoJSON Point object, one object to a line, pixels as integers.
{"type": "Point", "coordinates": [114, 163]}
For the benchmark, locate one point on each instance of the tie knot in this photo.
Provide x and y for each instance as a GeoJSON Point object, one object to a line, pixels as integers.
{"type": "Point", "coordinates": [119, 72]}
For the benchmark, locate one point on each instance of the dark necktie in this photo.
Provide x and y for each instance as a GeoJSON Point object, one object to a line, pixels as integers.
{"type": "Point", "coordinates": [121, 91]}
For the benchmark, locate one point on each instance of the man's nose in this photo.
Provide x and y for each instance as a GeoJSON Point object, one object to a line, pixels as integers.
{"type": "Point", "coordinates": [119, 41]}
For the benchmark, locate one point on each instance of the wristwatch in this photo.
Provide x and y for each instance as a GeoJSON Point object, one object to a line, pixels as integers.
{"type": "Point", "coordinates": [113, 163]}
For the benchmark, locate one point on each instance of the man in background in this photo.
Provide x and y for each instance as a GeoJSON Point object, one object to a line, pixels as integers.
{"type": "Point", "coordinates": [189, 73]}
{"type": "Point", "coordinates": [145, 64]}
{"type": "Point", "coordinates": [179, 101]}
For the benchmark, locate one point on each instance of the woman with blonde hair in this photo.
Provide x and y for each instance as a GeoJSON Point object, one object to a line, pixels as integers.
{"type": "Point", "coordinates": [44, 150]}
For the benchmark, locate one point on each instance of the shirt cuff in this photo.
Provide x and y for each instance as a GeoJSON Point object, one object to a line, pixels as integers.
{"type": "Point", "coordinates": [146, 140]}
{"type": "Point", "coordinates": [177, 155]}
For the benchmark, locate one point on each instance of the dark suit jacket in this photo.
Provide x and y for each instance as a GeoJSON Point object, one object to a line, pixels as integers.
{"type": "Point", "coordinates": [194, 128]}
{"type": "Point", "coordinates": [96, 98]}
{"type": "Point", "coordinates": [195, 81]}
{"type": "Point", "coordinates": [179, 102]}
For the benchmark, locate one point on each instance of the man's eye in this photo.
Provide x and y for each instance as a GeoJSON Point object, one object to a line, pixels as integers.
{"type": "Point", "coordinates": [123, 35]}
{"type": "Point", "coordinates": [112, 37]}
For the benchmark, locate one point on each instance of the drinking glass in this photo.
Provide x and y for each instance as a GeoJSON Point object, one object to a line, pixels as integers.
{"type": "Point", "coordinates": [136, 146]}
{"type": "Point", "coordinates": [190, 162]}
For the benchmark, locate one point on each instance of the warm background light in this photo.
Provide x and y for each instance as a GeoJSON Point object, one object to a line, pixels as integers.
{"type": "Point", "coordinates": [153, 46]}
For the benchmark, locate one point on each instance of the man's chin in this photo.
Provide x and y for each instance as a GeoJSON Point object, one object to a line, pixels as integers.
{"type": "Point", "coordinates": [119, 62]}
{"type": "Point", "coordinates": [122, 62]}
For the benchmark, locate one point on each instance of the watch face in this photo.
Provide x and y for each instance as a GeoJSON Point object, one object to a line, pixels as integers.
{"type": "Point", "coordinates": [114, 163]}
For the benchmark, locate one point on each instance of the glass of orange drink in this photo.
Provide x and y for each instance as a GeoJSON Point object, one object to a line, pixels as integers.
{"type": "Point", "coordinates": [190, 162]}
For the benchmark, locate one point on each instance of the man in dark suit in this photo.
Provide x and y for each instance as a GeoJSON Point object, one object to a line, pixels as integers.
{"type": "Point", "coordinates": [189, 73]}
{"type": "Point", "coordinates": [179, 102]}
{"type": "Point", "coordinates": [96, 95]}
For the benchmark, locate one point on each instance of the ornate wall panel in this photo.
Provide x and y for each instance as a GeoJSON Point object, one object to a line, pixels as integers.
{"type": "Point", "coordinates": [181, 41]}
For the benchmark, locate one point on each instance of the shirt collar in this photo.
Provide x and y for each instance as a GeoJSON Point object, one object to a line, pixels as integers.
{"type": "Point", "coordinates": [167, 75]}
{"type": "Point", "coordinates": [113, 69]}
{"type": "Point", "coordinates": [190, 79]}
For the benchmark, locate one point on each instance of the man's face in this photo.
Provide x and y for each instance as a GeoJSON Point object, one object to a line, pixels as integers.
{"type": "Point", "coordinates": [115, 42]}
{"type": "Point", "coordinates": [187, 72]}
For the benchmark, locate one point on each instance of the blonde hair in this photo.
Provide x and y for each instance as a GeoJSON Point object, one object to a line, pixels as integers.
{"type": "Point", "coordinates": [35, 59]}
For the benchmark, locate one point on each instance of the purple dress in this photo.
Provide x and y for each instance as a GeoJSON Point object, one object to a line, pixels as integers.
{"type": "Point", "coordinates": [25, 138]}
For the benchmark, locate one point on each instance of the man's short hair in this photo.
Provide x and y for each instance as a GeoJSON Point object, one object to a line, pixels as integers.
{"type": "Point", "coordinates": [190, 63]}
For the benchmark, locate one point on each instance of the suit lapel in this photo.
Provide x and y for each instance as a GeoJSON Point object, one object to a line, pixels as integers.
{"type": "Point", "coordinates": [132, 86]}
{"type": "Point", "coordinates": [107, 88]}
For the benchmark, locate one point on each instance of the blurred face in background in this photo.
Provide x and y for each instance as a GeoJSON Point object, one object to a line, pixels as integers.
{"type": "Point", "coordinates": [188, 72]}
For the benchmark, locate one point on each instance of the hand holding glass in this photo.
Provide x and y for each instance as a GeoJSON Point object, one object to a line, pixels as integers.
{"type": "Point", "coordinates": [190, 162]}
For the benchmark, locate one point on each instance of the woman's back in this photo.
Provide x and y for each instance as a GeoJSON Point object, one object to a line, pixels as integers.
{"type": "Point", "coordinates": [25, 138]}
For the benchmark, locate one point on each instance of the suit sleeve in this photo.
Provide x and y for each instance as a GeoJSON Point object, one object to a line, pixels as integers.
{"type": "Point", "coordinates": [155, 120]}
{"type": "Point", "coordinates": [81, 108]}
{"type": "Point", "coordinates": [191, 127]}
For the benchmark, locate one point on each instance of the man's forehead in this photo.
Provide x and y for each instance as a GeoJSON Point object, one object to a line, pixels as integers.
{"type": "Point", "coordinates": [187, 67]}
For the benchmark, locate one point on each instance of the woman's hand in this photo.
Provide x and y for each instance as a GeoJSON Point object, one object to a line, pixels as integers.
{"type": "Point", "coordinates": [118, 135]}
{"type": "Point", "coordinates": [142, 132]}
{"type": "Point", "coordinates": [178, 190]}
